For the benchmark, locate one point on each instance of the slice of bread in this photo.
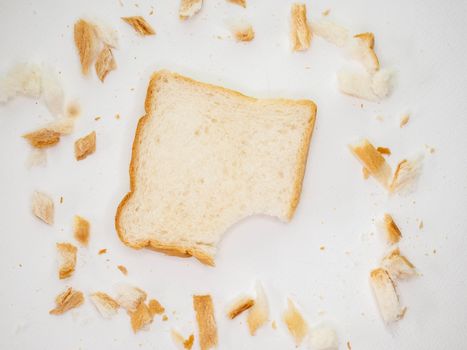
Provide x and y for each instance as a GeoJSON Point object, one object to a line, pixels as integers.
{"type": "Point", "coordinates": [205, 157]}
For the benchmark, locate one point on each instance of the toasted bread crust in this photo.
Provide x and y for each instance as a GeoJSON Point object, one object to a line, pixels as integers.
{"type": "Point", "coordinates": [186, 252]}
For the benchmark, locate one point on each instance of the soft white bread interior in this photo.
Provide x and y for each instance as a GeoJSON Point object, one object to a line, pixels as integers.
{"type": "Point", "coordinates": [205, 157]}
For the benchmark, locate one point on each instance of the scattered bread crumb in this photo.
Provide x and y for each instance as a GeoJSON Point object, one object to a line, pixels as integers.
{"type": "Point", "coordinates": [106, 306]}
{"type": "Point", "coordinates": [130, 297]}
{"type": "Point", "coordinates": [86, 43]}
{"type": "Point", "coordinates": [274, 325]}
{"type": "Point", "coordinates": [430, 149]}
{"type": "Point", "coordinates": [390, 229]}
{"type": "Point", "coordinates": [42, 138]}
{"type": "Point", "coordinates": [85, 146]}
{"type": "Point", "coordinates": [366, 173]}
{"type": "Point", "coordinates": [155, 308]}
{"type": "Point", "coordinates": [384, 150]}
{"type": "Point", "coordinates": [372, 160]}
{"type": "Point", "coordinates": [102, 251]}
{"type": "Point", "coordinates": [207, 328]}
{"type": "Point", "coordinates": [105, 63]}
{"type": "Point", "coordinates": [420, 225]}
{"type": "Point", "coordinates": [97, 118]}
{"type": "Point", "coordinates": [372, 87]}
{"type": "Point", "coordinates": [407, 173]}
{"type": "Point", "coordinates": [61, 200]}
{"type": "Point", "coordinates": [295, 322]}
{"type": "Point", "coordinates": [164, 318]}
{"type": "Point", "coordinates": [386, 295]}
{"type": "Point", "coordinates": [37, 157]}
{"type": "Point", "coordinates": [404, 120]}
{"type": "Point", "coordinates": [322, 247]}
{"type": "Point", "coordinates": [326, 12]}
{"type": "Point", "coordinates": [81, 228]}
{"type": "Point", "coordinates": [67, 300]}
{"type": "Point", "coordinates": [43, 207]}
{"type": "Point", "coordinates": [245, 33]}
{"type": "Point", "coordinates": [66, 259]}
{"type": "Point", "coordinates": [239, 305]}
{"type": "Point", "coordinates": [188, 8]}
{"type": "Point", "coordinates": [117, 116]}
{"type": "Point", "coordinates": [180, 341]}
{"type": "Point", "coordinates": [330, 31]}
{"type": "Point", "coordinates": [140, 25]}
{"type": "Point", "coordinates": [300, 30]}
{"type": "Point", "coordinates": [259, 312]}
{"type": "Point", "coordinates": [324, 338]}
{"type": "Point", "coordinates": [123, 269]}
{"type": "Point", "coordinates": [241, 3]}
{"type": "Point", "coordinates": [140, 318]}
{"type": "Point", "coordinates": [367, 38]}
{"type": "Point", "coordinates": [398, 266]}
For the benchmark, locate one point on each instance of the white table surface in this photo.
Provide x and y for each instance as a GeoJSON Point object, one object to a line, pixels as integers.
{"type": "Point", "coordinates": [423, 41]}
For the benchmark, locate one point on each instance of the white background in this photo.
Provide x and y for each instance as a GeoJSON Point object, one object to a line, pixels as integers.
{"type": "Point", "coordinates": [423, 41]}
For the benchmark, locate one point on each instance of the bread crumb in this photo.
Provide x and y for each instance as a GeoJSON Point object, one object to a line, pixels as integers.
{"type": "Point", "coordinates": [86, 43]}
{"type": "Point", "coordinates": [179, 340]}
{"type": "Point", "coordinates": [430, 149]}
{"type": "Point", "coordinates": [164, 318]}
{"type": "Point", "coordinates": [140, 25]}
{"type": "Point", "coordinates": [239, 305]}
{"type": "Point", "coordinates": [43, 207]}
{"type": "Point", "coordinates": [322, 247]}
{"type": "Point", "coordinates": [188, 8]}
{"type": "Point", "coordinates": [369, 86]}
{"type": "Point", "coordinates": [85, 146]}
{"type": "Point", "coordinates": [326, 12]}
{"type": "Point", "coordinates": [66, 259]}
{"type": "Point", "coordinates": [81, 228]}
{"type": "Point", "coordinates": [102, 251]}
{"type": "Point", "coordinates": [386, 295]}
{"type": "Point", "coordinates": [361, 48]}
{"type": "Point", "coordinates": [330, 31]}
{"type": "Point", "coordinates": [366, 173]}
{"type": "Point", "coordinates": [420, 225]}
{"type": "Point", "coordinates": [61, 200]}
{"type": "Point", "coordinates": [130, 297]}
{"type": "Point", "coordinates": [241, 3]}
{"type": "Point", "coordinates": [372, 160]}
{"type": "Point", "coordinates": [245, 33]}
{"type": "Point", "coordinates": [42, 138]}
{"type": "Point", "coordinates": [259, 312]}
{"type": "Point", "coordinates": [155, 308]}
{"type": "Point", "coordinates": [67, 300]}
{"type": "Point", "coordinates": [105, 63]}
{"type": "Point", "coordinates": [300, 29]}
{"type": "Point", "coordinates": [295, 323]}
{"type": "Point", "coordinates": [106, 306]}
{"type": "Point", "coordinates": [117, 116]}
{"type": "Point", "coordinates": [107, 35]}
{"type": "Point", "coordinates": [404, 120]}
{"type": "Point", "coordinates": [398, 266]}
{"type": "Point", "coordinates": [324, 338]}
{"type": "Point", "coordinates": [390, 229]}
{"type": "Point", "coordinates": [274, 325]}
{"type": "Point", "coordinates": [97, 118]}
{"type": "Point", "coordinates": [207, 328]}
{"type": "Point", "coordinates": [384, 150]}
{"type": "Point", "coordinates": [407, 173]}
{"type": "Point", "coordinates": [123, 269]}
{"type": "Point", "coordinates": [140, 318]}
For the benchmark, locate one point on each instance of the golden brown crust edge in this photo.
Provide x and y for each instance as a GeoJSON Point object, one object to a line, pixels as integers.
{"type": "Point", "coordinates": [186, 252]}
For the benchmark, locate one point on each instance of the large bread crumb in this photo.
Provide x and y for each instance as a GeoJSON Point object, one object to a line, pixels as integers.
{"type": "Point", "coordinates": [155, 308]}
{"type": "Point", "coordinates": [295, 323]}
{"type": "Point", "coordinates": [42, 138]}
{"type": "Point", "coordinates": [259, 312]}
{"type": "Point", "coordinates": [86, 43]}
{"type": "Point", "coordinates": [207, 329]}
{"type": "Point", "coordinates": [188, 8]}
{"type": "Point", "coordinates": [43, 207]}
{"type": "Point", "coordinates": [372, 87]}
{"type": "Point", "coordinates": [66, 259]}
{"type": "Point", "coordinates": [140, 25]}
{"type": "Point", "coordinates": [300, 30]}
{"type": "Point", "coordinates": [67, 300]}
{"type": "Point", "coordinates": [81, 228]}
{"type": "Point", "coordinates": [105, 63]}
{"type": "Point", "coordinates": [323, 338]}
{"type": "Point", "coordinates": [386, 295]}
{"type": "Point", "coordinates": [239, 305]}
{"type": "Point", "coordinates": [130, 297]}
{"type": "Point", "coordinates": [85, 146]}
{"type": "Point", "coordinates": [244, 33]}
{"type": "Point", "coordinates": [106, 306]}
{"type": "Point", "coordinates": [141, 317]}
{"type": "Point", "coordinates": [181, 342]}
{"type": "Point", "coordinates": [406, 175]}
{"type": "Point", "coordinates": [398, 266]}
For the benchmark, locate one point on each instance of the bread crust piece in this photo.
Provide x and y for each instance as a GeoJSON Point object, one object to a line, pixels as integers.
{"type": "Point", "coordinates": [193, 251]}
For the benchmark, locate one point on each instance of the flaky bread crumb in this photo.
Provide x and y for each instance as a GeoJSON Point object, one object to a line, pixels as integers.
{"type": "Point", "coordinates": [245, 33]}
{"type": "Point", "coordinates": [368, 38]}
{"type": "Point", "coordinates": [390, 229]}
{"type": "Point", "coordinates": [386, 295]}
{"type": "Point", "coordinates": [188, 8]}
{"type": "Point", "coordinates": [259, 312]}
{"type": "Point", "coordinates": [102, 251]}
{"type": "Point", "coordinates": [372, 160]}
{"type": "Point", "coordinates": [81, 228]}
{"type": "Point", "coordinates": [67, 300]}
{"type": "Point", "coordinates": [140, 25]}
{"type": "Point", "coordinates": [106, 306]}
{"type": "Point", "coordinates": [239, 305]}
{"type": "Point", "coordinates": [300, 33]}
{"type": "Point", "coordinates": [66, 259]}
{"type": "Point", "coordinates": [384, 150]}
{"type": "Point", "coordinates": [106, 34]}
{"type": "Point", "coordinates": [85, 146]}
{"type": "Point", "coordinates": [86, 43]}
{"type": "Point", "coordinates": [323, 338]}
{"type": "Point", "coordinates": [43, 207]}
{"type": "Point", "coordinates": [372, 87]}
{"type": "Point", "coordinates": [140, 318]}
{"type": "Point", "coordinates": [105, 63]}
{"type": "Point", "coordinates": [207, 329]}
{"type": "Point", "coordinates": [155, 308]}
{"type": "Point", "coordinates": [330, 31]}
{"type": "Point", "coordinates": [130, 297]}
{"type": "Point", "coordinates": [398, 266]}
{"type": "Point", "coordinates": [42, 138]}
{"type": "Point", "coordinates": [406, 175]}
{"type": "Point", "coordinates": [123, 269]}
{"type": "Point", "coordinates": [296, 324]}
{"type": "Point", "coordinates": [181, 342]}
{"type": "Point", "coordinates": [241, 3]}
{"type": "Point", "coordinates": [404, 120]}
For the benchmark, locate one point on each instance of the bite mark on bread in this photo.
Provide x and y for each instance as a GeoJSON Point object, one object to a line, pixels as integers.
{"type": "Point", "coordinates": [207, 328]}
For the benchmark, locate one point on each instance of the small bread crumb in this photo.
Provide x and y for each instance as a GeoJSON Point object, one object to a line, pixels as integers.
{"type": "Point", "coordinates": [106, 306]}
{"type": "Point", "coordinates": [207, 329]}
{"type": "Point", "coordinates": [123, 269]}
{"type": "Point", "coordinates": [117, 116]}
{"type": "Point", "coordinates": [86, 43]}
{"type": "Point", "coordinates": [326, 12]}
{"type": "Point", "coordinates": [244, 34]}
{"type": "Point", "coordinates": [140, 318]}
{"type": "Point", "coordinates": [420, 225]}
{"type": "Point", "coordinates": [155, 308]}
{"type": "Point", "coordinates": [398, 266]}
{"type": "Point", "coordinates": [140, 25]}
{"type": "Point", "coordinates": [392, 231]}
{"type": "Point", "coordinates": [384, 150]}
{"type": "Point", "coordinates": [102, 251]}
{"type": "Point", "coordinates": [404, 120]}
{"type": "Point", "coordinates": [42, 138]}
{"type": "Point", "coordinates": [406, 175]}
{"type": "Point", "coordinates": [241, 3]}
{"type": "Point", "coordinates": [386, 295]}
{"type": "Point", "coordinates": [43, 207]}
{"type": "Point", "coordinates": [188, 8]}
{"type": "Point", "coordinates": [274, 325]}
{"type": "Point", "coordinates": [295, 322]}
{"type": "Point", "coordinates": [67, 300]}
{"type": "Point", "coordinates": [66, 259]}
{"type": "Point", "coordinates": [164, 318]}
{"type": "Point", "coordinates": [85, 146]}
{"type": "Point", "coordinates": [180, 341]}
{"type": "Point", "coordinates": [239, 305]}
{"type": "Point", "coordinates": [130, 297]}
{"type": "Point", "coordinates": [300, 30]}
{"type": "Point", "coordinates": [81, 228]}
{"type": "Point", "coordinates": [322, 247]}
{"type": "Point", "coordinates": [259, 312]}
{"type": "Point", "coordinates": [105, 63]}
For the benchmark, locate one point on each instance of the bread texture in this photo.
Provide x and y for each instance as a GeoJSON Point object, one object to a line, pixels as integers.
{"type": "Point", "coordinates": [390, 229]}
{"type": "Point", "coordinates": [205, 157]}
